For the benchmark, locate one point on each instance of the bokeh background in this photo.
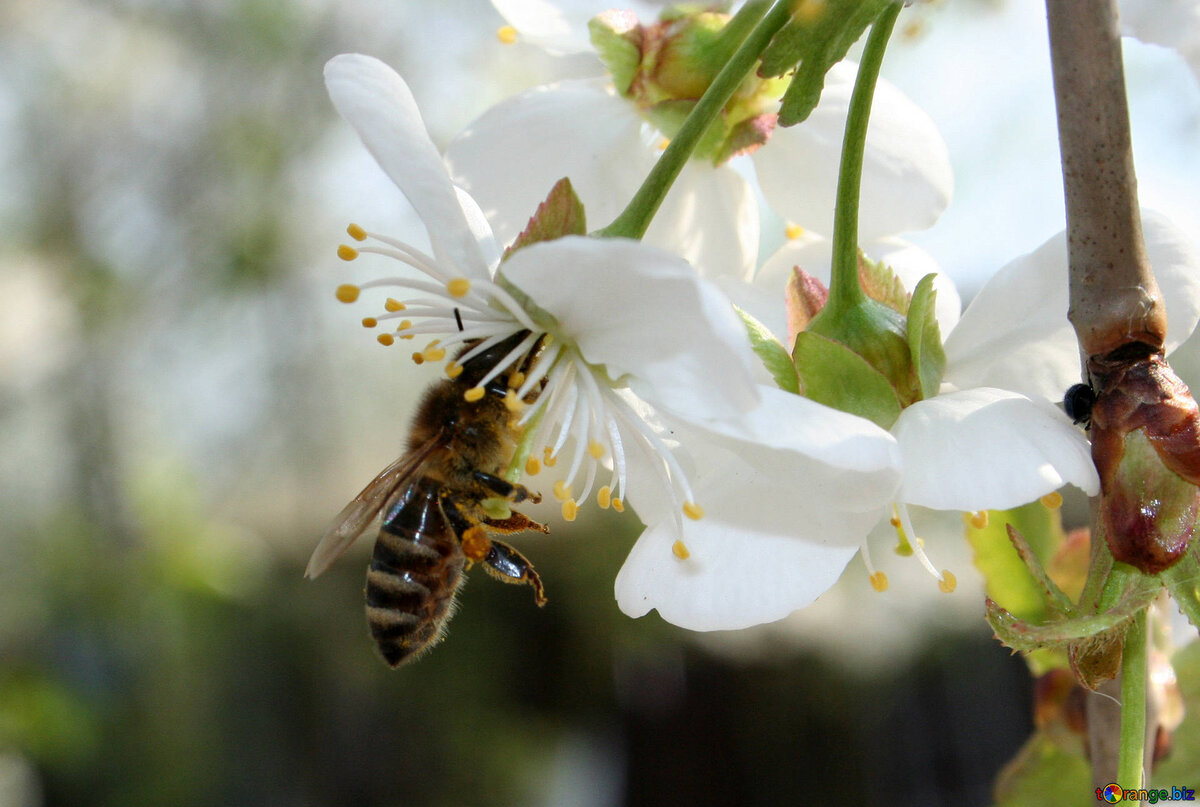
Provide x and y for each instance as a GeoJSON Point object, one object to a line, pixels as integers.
{"type": "Point", "coordinates": [184, 406]}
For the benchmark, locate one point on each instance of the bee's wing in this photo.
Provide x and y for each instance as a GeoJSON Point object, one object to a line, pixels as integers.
{"type": "Point", "coordinates": [358, 515]}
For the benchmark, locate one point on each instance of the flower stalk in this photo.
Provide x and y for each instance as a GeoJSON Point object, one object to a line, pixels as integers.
{"type": "Point", "coordinates": [845, 291]}
{"type": "Point", "coordinates": [637, 215]}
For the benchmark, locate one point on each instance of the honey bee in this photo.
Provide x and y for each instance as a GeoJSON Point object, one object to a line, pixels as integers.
{"type": "Point", "coordinates": [433, 520]}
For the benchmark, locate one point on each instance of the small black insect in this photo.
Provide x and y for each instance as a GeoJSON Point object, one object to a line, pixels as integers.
{"type": "Point", "coordinates": [1078, 404]}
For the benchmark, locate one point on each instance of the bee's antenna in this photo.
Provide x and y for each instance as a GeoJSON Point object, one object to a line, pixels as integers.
{"type": "Point", "coordinates": [458, 319]}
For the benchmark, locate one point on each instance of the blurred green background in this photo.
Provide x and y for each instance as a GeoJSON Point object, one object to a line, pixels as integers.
{"type": "Point", "coordinates": [184, 406]}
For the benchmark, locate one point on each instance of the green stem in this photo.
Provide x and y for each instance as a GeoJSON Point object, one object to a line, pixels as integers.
{"type": "Point", "coordinates": [636, 217]}
{"type": "Point", "coordinates": [845, 291]}
{"type": "Point", "coordinates": [1132, 755]}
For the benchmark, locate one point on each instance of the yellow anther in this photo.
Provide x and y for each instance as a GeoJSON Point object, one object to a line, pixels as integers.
{"type": "Point", "coordinates": [979, 520]}
{"type": "Point", "coordinates": [569, 510]}
{"type": "Point", "coordinates": [879, 581]}
{"type": "Point", "coordinates": [532, 466]}
{"type": "Point", "coordinates": [895, 521]}
{"type": "Point", "coordinates": [393, 305]}
{"type": "Point", "coordinates": [808, 10]}
{"type": "Point", "coordinates": [596, 449]}
{"type": "Point", "coordinates": [356, 232]}
{"type": "Point", "coordinates": [548, 459]}
{"type": "Point", "coordinates": [506, 34]}
{"type": "Point", "coordinates": [618, 505]}
{"type": "Point", "coordinates": [663, 142]}
{"type": "Point", "coordinates": [347, 292]}
{"type": "Point", "coordinates": [434, 354]}
{"type": "Point", "coordinates": [418, 358]}
{"type": "Point", "coordinates": [370, 322]}
{"type": "Point", "coordinates": [473, 394]}
{"type": "Point", "coordinates": [693, 511]}
{"type": "Point", "coordinates": [516, 379]}
{"type": "Point", "coordinates": [385, 339]}
{"type": "Point", "coordinates": [512, 402]}
{"type": "Point", "coordinates": [604, 497]}
{"type": "Point", "coordinates": [458, 287]}
{"type": "Point", "coordinates": [679, 550]}
{"type": "Point", "coordinates": [453, 370]}
{"type": "Point", "coordinates": [562, 490]}
{"type": "Point", "coordinates": [1052, 501]}
{"type": "Point", "coordinates": [793, 231]}
{"type": "Point", "coordinates": [404, 326]}
{"type": "Point", "coordinates": [347, 252]}
{"type": "Point", "coordinates": [948, 582]}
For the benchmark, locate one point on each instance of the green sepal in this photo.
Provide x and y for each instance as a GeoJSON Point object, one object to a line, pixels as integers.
{"type": "Point", "coordinates": [814, 40]}
{"type": "Point", "coordinates": [1183, 581]}
{"type": "Point", "coordinates": [618, 46]}
{"type": "Point", "coordinates": [881, 283]}
{"type": "Point", "coordinates": [925, 338]}
{"type": "Point", "coordinates": [833, 374]}
{"type": "Point", "coordinates": [560, 215]}
{"type": "Point", "coordinates": [771, 352]}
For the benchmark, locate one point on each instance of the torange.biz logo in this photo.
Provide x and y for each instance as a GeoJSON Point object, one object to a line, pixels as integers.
{"type": "Point", "coordinates": [1113, 794]}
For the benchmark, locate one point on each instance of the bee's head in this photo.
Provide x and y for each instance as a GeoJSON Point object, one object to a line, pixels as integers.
{"type": "Point", "coordinates": [478, 366]}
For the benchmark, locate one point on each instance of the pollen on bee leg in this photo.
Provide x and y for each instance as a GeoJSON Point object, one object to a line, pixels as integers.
{"type": "Point", "coordinates": [532, 466]}
{"type": "Point", "coordinates": [346, 252]}
{"type": "Point", "coordinates": [679, 549]}
{"type": "Point", "coordinates": [347, 292]}
{"type": "Point", "coordinates": [458, 287]}
{"type": "Point", "coordinates": [693, 511]}
{"type": "Point", "coordinates": [475, 543]}
{"type": "Point", "coordinates": [1052, 501]}
{"type": "Point", "coordinates": [356, 232]}
{"type": "Point", "coordinates": [473, 394]}
{"type": "Point", "coordinates": [978, 520]}
{"type": "Point", "coordinates": [570, 509]}
{"type": "Point", "coordinates": [604, 497]}
{"type": "Point", "coordinates": [506, 34]}
{"type": "Point", "coordinates": [562, 491]}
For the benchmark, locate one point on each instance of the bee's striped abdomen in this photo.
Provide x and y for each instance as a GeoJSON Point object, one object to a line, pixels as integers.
{"type": "Point", "coordinates": [415, 570]}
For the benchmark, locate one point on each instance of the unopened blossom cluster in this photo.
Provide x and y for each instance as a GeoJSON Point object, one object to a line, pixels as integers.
{"type": "Point", "coordinates": [645, 390]}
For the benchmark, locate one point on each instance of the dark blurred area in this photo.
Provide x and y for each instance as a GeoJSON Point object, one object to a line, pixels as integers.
{"type": "Point", "coordinates": [182, 409]}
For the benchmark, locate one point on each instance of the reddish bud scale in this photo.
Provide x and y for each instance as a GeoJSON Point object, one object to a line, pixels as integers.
{"type": "Point", "coordinates": [1149, 516]}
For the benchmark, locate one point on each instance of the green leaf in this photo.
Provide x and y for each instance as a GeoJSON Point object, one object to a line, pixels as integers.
{"type": "Point", "coordinates": [560, 215]}
{"type": "Point", "coordinates": [817, 37]}
{"type": "Point", "coordinates": [833, 374]}
{"type": "Point", "coordinates": [1050, 770]}
{"type": "Point", "coordinates": [617, 39]}
{"type": "Point", "coordinates": [771, 351]}
{"type": "Point", "coordinates": [925, 338]}
{"type": "Point", "coordinates": [1012, 566]}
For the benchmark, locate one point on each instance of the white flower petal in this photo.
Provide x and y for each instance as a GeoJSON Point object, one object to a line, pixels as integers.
{"type": "Point", "coordinates": [561, 26]}
{"type": "Point", "coordinates": [735, 576]}
{"type": "Point", "coordinates": [710, 218]}
{"type": "Point", "coordinates": [1171, 23]}
{"type": "Point", "coordinates": [814, 254]}
{"type": "Point", "coordinates": [510, 157]}
{"type": "Point", "coordinates": [1015, 333]}
{"type": "Point", "coordinates": [645, 315]}
{"type": "Point", "coordinates": [985, 449]}
{"type": "Point", "coordinates": [380, 107]}
{"type": "Point", "coordinates": [907, 180]}
{"type": "Point", "coordinates": [788, 500]}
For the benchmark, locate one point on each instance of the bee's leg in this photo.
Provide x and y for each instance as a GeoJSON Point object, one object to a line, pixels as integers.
{"type": "Point", "coordinates": [502, 487]}
{"type": "Point", "coordinates": [509, 566]}
{"type": "Point", "coordinates": [517, 522]}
